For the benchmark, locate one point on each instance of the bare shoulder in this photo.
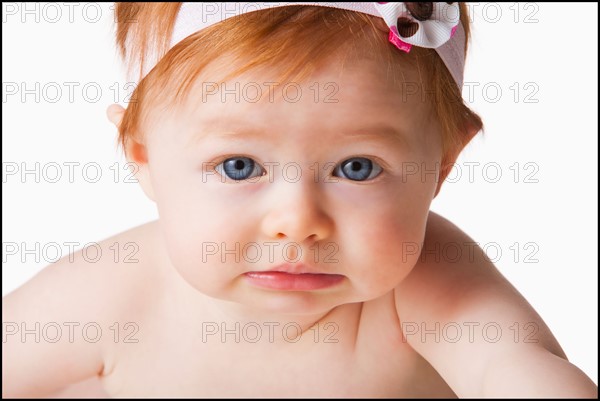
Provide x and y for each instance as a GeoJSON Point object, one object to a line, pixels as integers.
{"type": "Point", "coordinates": [471, 312]}
{"type": "Point", "coordinates": [454, 278]}
{"type": "Point", "coordinates": [102, 274]}
{"type": "Point", "coordinates": [59, 321]}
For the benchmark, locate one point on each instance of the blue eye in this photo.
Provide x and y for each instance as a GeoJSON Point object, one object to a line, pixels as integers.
{"type": "Point", "coordinates": [357, 169]}
{"type": "Point", "coordinates": [239, 168]}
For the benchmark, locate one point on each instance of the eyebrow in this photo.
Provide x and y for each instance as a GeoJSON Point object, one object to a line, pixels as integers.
{"type": "Point", "coordinates": [379, 132]}
{"type": "Point", "coordinates": [373, 133]}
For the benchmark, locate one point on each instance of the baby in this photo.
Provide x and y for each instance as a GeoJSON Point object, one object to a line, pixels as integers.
{"type": "Point", "coordinates": [293, 152]}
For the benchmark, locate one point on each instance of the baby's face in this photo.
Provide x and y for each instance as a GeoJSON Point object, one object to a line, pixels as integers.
{"type": "Point", "coordinates": [334, 179]}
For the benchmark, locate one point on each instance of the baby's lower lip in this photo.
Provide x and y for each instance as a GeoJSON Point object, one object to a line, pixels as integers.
{"type": "Point", "coordinates": [293, 282]}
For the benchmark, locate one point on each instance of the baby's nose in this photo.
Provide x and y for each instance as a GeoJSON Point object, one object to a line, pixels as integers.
{"type": "Point", "coordinates": [297, 212]}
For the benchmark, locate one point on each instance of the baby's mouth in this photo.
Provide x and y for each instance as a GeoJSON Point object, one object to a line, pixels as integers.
{"type": "Point", "coordinates": [286, 281]}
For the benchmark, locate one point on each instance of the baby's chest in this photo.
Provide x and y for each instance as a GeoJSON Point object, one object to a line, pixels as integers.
{"type": "Point", "coordinates": [233, 362]}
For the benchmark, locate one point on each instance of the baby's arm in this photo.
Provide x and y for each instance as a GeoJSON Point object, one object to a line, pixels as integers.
{"type": "Point", "coordinates": [45, 347]}
{"type": "Point", "coordinates": [443, 296]}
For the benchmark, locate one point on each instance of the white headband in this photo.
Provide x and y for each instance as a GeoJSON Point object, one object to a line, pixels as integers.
{"type": "Point", "coordinates": [430, 25]}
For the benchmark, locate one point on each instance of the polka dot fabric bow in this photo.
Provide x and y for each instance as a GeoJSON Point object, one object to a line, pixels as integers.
{"type": "Point", "coordinates": [420, 24]}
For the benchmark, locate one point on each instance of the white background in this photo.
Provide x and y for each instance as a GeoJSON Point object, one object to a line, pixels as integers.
{"type": "Point", "coordinates": [543, 58]}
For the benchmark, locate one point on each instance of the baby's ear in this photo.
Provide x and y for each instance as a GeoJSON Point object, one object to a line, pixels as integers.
{"type": "Point", "coordinates": [135, 152]}
{"type": "Point", "coordinates": [115, 114]}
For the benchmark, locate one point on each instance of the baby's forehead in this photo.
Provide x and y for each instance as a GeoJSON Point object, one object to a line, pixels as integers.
{"type": "Point", "coordinates": [352, 94]}
{"type": "Point", "coordinates": [337, 85]}
{"type": "Point", "coordinates": [356, 104]}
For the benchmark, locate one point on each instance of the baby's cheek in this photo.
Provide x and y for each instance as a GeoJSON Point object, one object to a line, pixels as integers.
{"type": "Point", "coordinates": [188, 243]}
{"type": "Point", "coordinates": [387, 250]}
